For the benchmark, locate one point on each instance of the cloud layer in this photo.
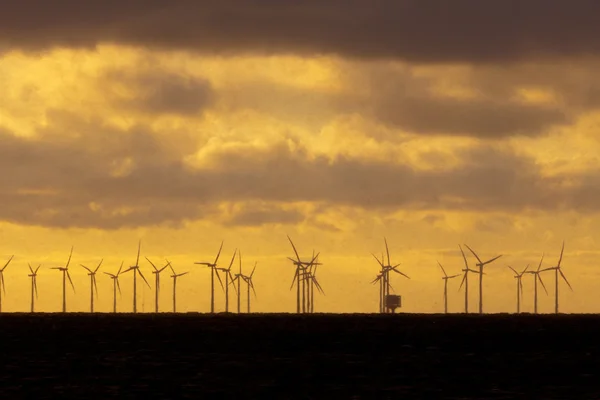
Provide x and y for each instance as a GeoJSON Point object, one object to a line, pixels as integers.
{"type": "Point", "coordinates": [411, 30]}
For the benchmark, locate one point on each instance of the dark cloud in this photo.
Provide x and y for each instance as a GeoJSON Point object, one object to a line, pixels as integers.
{"type": "Point", "coordinates": [100, 176]}
{"type": "Point", "coordinates": [162, 92]}
{"type": "Point", "coordinates": [415, 30]}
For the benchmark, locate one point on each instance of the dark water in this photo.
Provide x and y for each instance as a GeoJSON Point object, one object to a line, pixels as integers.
{"type": "Point", "coordinates": [299, 357]}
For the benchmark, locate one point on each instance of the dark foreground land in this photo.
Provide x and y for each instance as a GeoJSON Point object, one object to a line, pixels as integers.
{"type": "Point", "coordinates": [300, 357]}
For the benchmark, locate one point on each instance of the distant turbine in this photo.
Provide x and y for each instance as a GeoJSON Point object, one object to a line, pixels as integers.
{"type": "Point", "coordinates": [175, 276]}
{"type": "Point", "coordinates": [519, 277]}
{"type": "Point", "coordinates": [311, 276]}
{"type": "Point", "coordinates": [481, 264]}
{"type": "Point", "coordinates": [301, 267]}
{"type": "Point", "coordinates": [557, 270]}
{"type": "Point", "coordinates": [537, 277]}
{"type": "Point", "coordinates": [65, 272]}
{"type": "Point", "coordinates": [136, 270]}
{"type": "Point", "coordinates": [228, 276]}
{"type": "Point", "coordinates": [237, 279]}
{"type": "Point", "coordinates": [2, 280]}
{"type": "Point", "coordinates": [445, 278]}
{"type": "Point", "coordinates": [384, 277]}
{"type": "Point", "coordinates": [250, 284]}
{"type": "Point", "coordinates": [33, 277]}
{"type": "Point", "coordinates": [93, 285]}
{"type": "Point", "coordinates": [115, 279]}
{"type": "Point", "coordinates": [465, 279]}
{"type": "Point", "coordinates": [213, 271]}
{"type": "Point", "coordinates": [156, 273]}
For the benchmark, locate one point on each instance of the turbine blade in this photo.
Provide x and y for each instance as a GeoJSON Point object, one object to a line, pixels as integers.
{"type": "Point", "coordinates": [232, 259]}
{"type": "Point", "coordinates": [295, 277]}
{"type": "Point", "coordinates": [70, 281]}
{"type": "Point", "coordinates": [118, 284]}
{"type": "Point", "coordinates": [143, 277]}
{"type": "Point", "coordinates": [121, 267]}
{"type": "Point", "coordinates": [35, 286]}
{"type": "Point", "coordinates": [513, 270]}
{"type": "Point", "coordinates": [183, 273]}
{"type": "Point", "coordinates": [38, 268]}
{"type": "Point", "coordinates": [476, 256]}
{"type": "Point", "coordinates": [464, 257]}
{"type": "Point", "coordinates": [252, 287]}
{"type": "Point", "coordinates": [294, 247]}
{"type": "Point", "coordinates": [219, 278]}
{"type": "Point", "coordinates": [380, 263]}
{"type": "Point", "coordinates": [443, 270]}
{"type": "Point", "coordinates": [31, 269]}
{"type": "Point", "coordinates": [69, 260]}
{"type": "Point", "coordinates": [463, 280]}
{"type": "Point", "coordinates": [151, 263]}
{"type": "Point", "coordinates": [231, 278]}
{"type": "Point", "coordinates": [86, 268]}
{"type": "Point", "coordinates": [95, 284]}
{"type": "Point", "coordinates": [561, 253]}
{"type": "Point", "coordinates": [565, 278]}
{"type": "Point", "coordinates": [493, 259]}
{"type": "Point", "coordinates": [525, 270]}
{"type": "Point", "coordinates": [137, 261]}
{"type": "Point", "coordinates": [8, 262]}
{"type": "Point", "coordinates": [453, 276]}
{"type": "Point", "coordinates": [542, 282]}
{"type": "Point", "coordinates": [109, 274]}
{"type": "Point", "coordinates": [540, 266]}
{"type": "Point", "coordinates": [2, 282]}
{"type": "Point", "coordinates": [98, 267]}
{"type": "Point", "coordinates": [218, 254]}
{"type": "Point", "coordinates": [253, 269]}
{"type": "Point", "coordinates": [387, 250]}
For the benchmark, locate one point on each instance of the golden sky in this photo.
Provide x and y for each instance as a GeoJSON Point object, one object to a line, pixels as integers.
{"type": "Point", "coordinates": [143, 123]}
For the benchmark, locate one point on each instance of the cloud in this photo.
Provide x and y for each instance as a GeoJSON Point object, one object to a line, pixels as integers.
{"type": "Point", "coordinates": [105, 177]}
{"type": "Point", "coordinates": [413, 30]}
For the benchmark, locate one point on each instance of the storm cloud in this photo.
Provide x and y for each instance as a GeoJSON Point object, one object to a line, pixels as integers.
{"type": "Point", "coordinates": [412, 30]}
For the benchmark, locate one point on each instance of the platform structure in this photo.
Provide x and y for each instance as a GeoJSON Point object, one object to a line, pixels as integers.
{"type": "Point", "coordinates": [393, 301]}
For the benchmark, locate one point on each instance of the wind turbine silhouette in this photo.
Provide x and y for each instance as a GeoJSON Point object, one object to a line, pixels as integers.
{"type": "Point", "coordinates": [519, 277]}
{"type": "Point", "coordinates": [445, 278]}
{"type": "Point", "coordinates": [33, 277]}
{"type": "Point", "coordinates": [465, 279]}
{"type": "Point", "coordinates": [311, 276]}
{"type": "Point", "coordinates": [557, 270]}
{"type": "Point", "coordinates": [93, 285]}
{"type": "Point", "coordinates": [175, 276]}
{"type": "Point", "coordinates": [136, 270]}
{"type": "Point", "coordinates": [115, 279]}
{"type": "Point", "coordinates": [237, 279]}
{"type": "Point", "coordinates": [228, 276]}
{"type": "Point", "coordinates": [156, 273]}
{"type": "Point", "coordinates": [213, 271]}
{"type": "Point", "coordinates": [301, 267]}
{"type": "Point", "coordinates": [2, 280]}
{"type": "Point", "coordinates": [384, 277]}
{"type": "Point", "coordinates": [65, 273]}
{"type": "Point", "coordinates": [481, 264]}
{"type": "Point", "coordinates": [250, 284]}
{"type": "Point", "coordinates": [537, 277]}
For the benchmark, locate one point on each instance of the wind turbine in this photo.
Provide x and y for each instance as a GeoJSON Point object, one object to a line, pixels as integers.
{"type": "Point", "coordinates": [301, 267]}
{"type": "Point", "coordinates": [445, 278]}
{"type": "Point", "coordinates": [384, 277]}
{"type": "Point", "coordinates": [557, 270]}
{"type": "Point", "coordinates": [237, 278]}
{"type": "Point", "coordinates": [311, 276]}
{"type": "Point", "coordinates": [228, 276]}
{"type": "Point", "coordinates": [136, 270]}
{"type": "Point", "coordinates": [2, 280]}
{"type": "Point", "coordinates": [519, 277]}
{"type": "Point", "coordinates": [248, 280]}
{"type": "Point", "coordinates": [33, 277]}
{"type": "Point", "coordinates": [481, 264]}
{"type": "Point", "coordinates": [537, 277]}
{"type": "Point", "coordinates": [65, 272]}
{"type": "Point", "coordinates": [156, 273]}
{"type": "Point", "coordinates": [115, 278]}
{"type": "Point", "coordinates": [213, 271]}
{"type": "Point", "coordinates": [93, 285]}
{"type": "Point", "coordinates": [175, 276]}
{"type": "Point", "coordinates": [465, 279]}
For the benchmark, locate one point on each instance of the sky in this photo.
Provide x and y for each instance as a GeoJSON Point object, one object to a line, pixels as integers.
{"type": "Point", "coordinates": [184, 124]}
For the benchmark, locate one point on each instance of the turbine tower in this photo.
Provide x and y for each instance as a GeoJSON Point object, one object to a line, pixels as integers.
{"type": "Point", "coordinates": [34, 291]}
{"type": "Point", "coordinates": [228, 276]}
{"type": "Point", "coordinates": [136, 270]}
{"type": "Point", "coordinates": [519, 277]}
{"type": "Point", "coordinates": [481, 264]}
{"type": "Point", "coordinates": [557, 270]}
{"type": "Point", "coordinates": [93, 285]}
{"type": "Point", "coordinates": [445, 278]}
{"type": "Point", "coordinates": [301, 267]}
{"type": "Point", "coordinates": [156, 273]}
{"type": "Point", "coordinates": [237, 279]}
{"type": "Point", "coordinates": [213, 271]}
{"type": "Point", "coordinates": [65, 273]}
{"type": "Point", "coordinates": [2, 280]}
{"type": "Point", "coordinates": [175, 276]}
{"type": "Point", "coordinates": [115, 279]}
{"type": "Point", "coordinates": [250, 285]}
{"type": "Point", "coordinates": [537, 277]}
